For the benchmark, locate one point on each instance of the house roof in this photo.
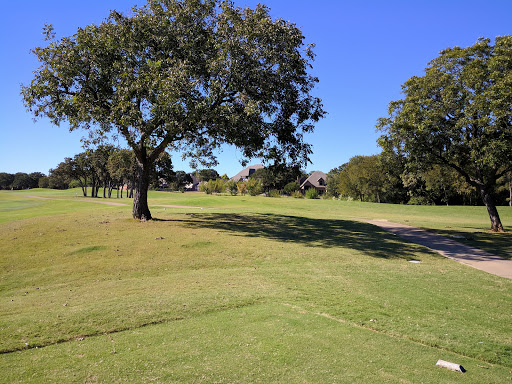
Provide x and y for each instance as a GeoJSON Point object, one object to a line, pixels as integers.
{"type": "Point", "coordinates": [314, 180]}
{"type": "Point", "coordinates": [245, 173]}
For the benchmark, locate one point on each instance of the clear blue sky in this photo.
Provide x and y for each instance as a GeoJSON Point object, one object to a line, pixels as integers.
{"type": "Point", "coordinates": [365, 51]}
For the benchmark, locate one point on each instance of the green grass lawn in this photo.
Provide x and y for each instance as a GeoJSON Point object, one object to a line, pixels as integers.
{"type": "Point", "coordinates": [247, 289]}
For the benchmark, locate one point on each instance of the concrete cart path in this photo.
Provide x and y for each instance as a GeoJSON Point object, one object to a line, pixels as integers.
{"type": "Point", "coordinates": [450, 248]}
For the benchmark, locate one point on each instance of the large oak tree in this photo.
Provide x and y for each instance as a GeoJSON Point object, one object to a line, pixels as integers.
{"type": "Point", "coordinates": [459, 114]}
{"type": "Point", "coordinates": [189, 75]}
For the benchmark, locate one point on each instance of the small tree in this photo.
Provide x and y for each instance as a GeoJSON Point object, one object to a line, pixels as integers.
{"type": "Point", "coordinates": [121, 166]}
{"type": "Point", "coordinates": [232, 187]}
{"type": "Point", "coordinates": [242, 187]}
{"type": "Point", "coordinates": [254, 187]}
{"type": "Point", "coordinates": [311, 193]}
{"type": "Point", "coordinates": [291, 187]}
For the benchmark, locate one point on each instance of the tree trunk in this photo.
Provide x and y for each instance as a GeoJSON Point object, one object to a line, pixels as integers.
{"type": "Point", "coordinates": [510, 194]}
{"type": "Point", "coordinates": [140, 199]}
{"type": "Point", "coordinates": [84, 186]}
{"type": "Point", "coordinates": [496, 225]}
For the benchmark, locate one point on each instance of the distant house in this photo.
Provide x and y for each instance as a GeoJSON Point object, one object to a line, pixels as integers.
{"type": "Point", "coordinates": [246, 173]}
{"type": "Point", "coordinates": [194, 185]}
{"type": "Point", "coordinates": [317, 180]}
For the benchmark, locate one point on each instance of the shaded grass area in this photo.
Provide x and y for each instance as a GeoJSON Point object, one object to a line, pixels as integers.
{"type": "Point", "coordinates": [270, 342]}
{"type": "Point", "coordinates": [204, 283]}
{"type": "Point", "coordinates": [310, 232]}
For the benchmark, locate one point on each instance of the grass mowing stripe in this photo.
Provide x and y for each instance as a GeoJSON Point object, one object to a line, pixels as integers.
{"type": "Point", "coordinates": [119, 330]}
{"type": "Point", "coordinates": [380, 332]}
{"type": "Point", "coordinates": [260, 344]}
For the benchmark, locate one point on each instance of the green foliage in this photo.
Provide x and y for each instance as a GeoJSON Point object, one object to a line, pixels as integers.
{"type": "Point", "coordinates": [6, 180]}
{"type": "Point", "coordinates": [162, 172]}
{"type": "Point", "coordinates": [20, 180]}
{"type": "Point", "coordinates": [311, 193]}
{"type": "Point", "coordinates": [254, 187]}
{"type": "Point", "coordinates": [122, 167]}
{"type": "Point", "coordinates": [273, 193]}
{"type": "Point", "coordinates": [231, 187]}
{"type": "Point", "coordinates": [207, 174]}
{"type": "Point", "coordinates": [204, 187]}
{"type": "Point", "coordinates": [362, 177]}
{"type": "Point", "coordinates": [458, 115]}
{"type": "Point", "coordinates": [180, 179]}
{"type": "Point", "coordinates": [277, 176]}
{"type": "Point", "coordinates": [43, 182]}
{"type": "Point", "coordinates": [333, 181]}
{"type": "Point", "coordinates": [298, 195]}
{"type": "Point", "coordinates": [419, 200]}
{"type": "Point", "coordinates": [213, 186]}
{"type": "Point", "coordinates": [218, 185]}
{"type": "Point", "coordinates": [242, 187]}
{"type": "Point", "coordinates": [193, 75]}
{"type": "Point", "coordinates": [291, 187]}
{"type": "Point", "coordinates": [73, 184]}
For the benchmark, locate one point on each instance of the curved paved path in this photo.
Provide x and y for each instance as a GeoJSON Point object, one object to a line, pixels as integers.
{"type": "Point", "coordinates": [452, 249]}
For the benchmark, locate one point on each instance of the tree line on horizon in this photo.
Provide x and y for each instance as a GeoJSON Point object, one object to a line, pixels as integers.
{"type": "Point", "coordinates": [385, 178]}
{"type": "Point", "coordinates": [381, 178]}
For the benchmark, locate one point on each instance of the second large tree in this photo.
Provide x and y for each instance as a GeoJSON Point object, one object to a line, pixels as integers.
{"type": "Point", "coordinates": [459, 114]}
{"type": "Point", "coordinates": [189, 75]}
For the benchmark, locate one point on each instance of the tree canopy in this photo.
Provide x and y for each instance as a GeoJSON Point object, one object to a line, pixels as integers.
{"type": "Point", "coordinates": [459, 115]}
{"type": "Point", "coordinates": [189, 75]}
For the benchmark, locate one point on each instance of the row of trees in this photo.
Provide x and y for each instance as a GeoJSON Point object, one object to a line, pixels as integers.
{"type": "Point", "coordinates": [105, 167]}
{"type": "Point", "coordinates": [21, 180]}
{"type": "Point", "coordinates": [386, 178]}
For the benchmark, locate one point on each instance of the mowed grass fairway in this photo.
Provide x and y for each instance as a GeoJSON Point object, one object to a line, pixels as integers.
{"type": "Point", "coordinates": [247, 290]}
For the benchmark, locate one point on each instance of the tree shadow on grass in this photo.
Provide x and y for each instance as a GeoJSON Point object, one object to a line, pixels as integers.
{"type": "Point", "coordinates": [326, 233]}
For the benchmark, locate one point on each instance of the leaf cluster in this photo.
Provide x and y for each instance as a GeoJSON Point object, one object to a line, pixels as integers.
{"type": "Point", "coordinates": [186, 74]}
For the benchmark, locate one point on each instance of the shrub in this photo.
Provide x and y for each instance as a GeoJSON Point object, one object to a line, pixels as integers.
{"type": "Point", "coordinates": [297, 195]}
{"type": "Point", "coordinates": [311, 193]}
{"type": "Point", "coordinates": [217, 185]}
{"type": "Point", "coordinates": [204, 187]}
{"type": "Point", "coordinates": [419, 200]}
{"type": "Point", "coordinates": [242, 187]}
{"type": "Point", "coordinates": [273, 193]}
{"type": "Point", "coordinates": [254, 187]}
{"type": "Point", "coordinates": [290, 188]}
{"type": "Point", "coordinates": [232, 187]}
